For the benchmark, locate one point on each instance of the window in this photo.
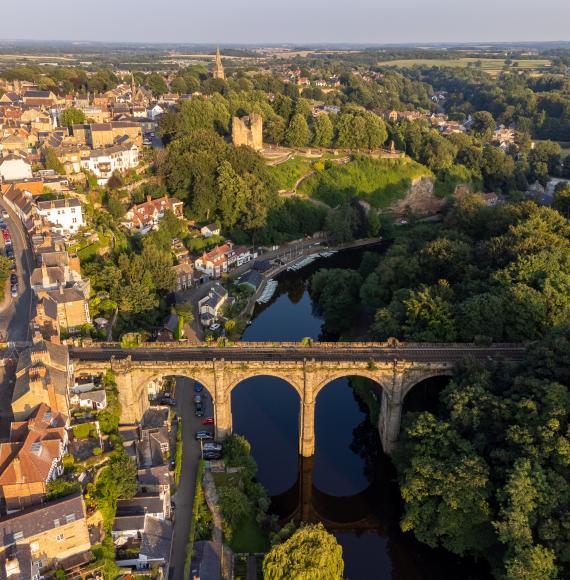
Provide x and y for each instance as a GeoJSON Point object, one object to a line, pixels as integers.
{"type": "Point", "coordinates": [18, 535]}
{"type": "Point", "coordinates": [56, 523]}
{"type": "Point", "coordinates": [60, 537]}
{"type": "Point", "coordinates": [69, 518]}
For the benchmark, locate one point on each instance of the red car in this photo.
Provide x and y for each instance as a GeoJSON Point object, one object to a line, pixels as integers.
{"type": "Point", "coordinates": [208, 421]}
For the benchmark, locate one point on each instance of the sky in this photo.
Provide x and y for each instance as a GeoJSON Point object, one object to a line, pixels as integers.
{"type": "Point", "coordinates": [289, 21]}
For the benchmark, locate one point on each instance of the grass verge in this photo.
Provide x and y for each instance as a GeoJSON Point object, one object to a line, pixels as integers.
{"type": "Point", "coordinates": [198, 499]}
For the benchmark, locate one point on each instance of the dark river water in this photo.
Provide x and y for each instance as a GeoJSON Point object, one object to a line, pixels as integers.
{"type": "Point", "coordinates": [353, 482]}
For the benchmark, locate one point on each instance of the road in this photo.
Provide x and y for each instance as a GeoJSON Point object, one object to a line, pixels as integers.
{"type": "Point", "coordinates": [16, 314]}
{"type": "Point", "coordinates": [428, 353]}
{"type": "Point", "coordinates": [184, 496]}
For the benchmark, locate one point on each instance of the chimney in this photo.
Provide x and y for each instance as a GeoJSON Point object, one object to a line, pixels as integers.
{"type": "Point", "coordinates": [45, 276]}
{"type": "Point", "coordinates": [61, 290]}
{"type": "Point", "coordinates": [52, 398]}
{"type": "Point", "coordinates": [17, 468]}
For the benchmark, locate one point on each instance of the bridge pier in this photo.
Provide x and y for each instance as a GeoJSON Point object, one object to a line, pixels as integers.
{"type": "Point", "coordinates": [307, 412]}
{"type": "Point", "coordinates": [389, 424]}
{"type": "Point", "coordinates": [307, 429]}
{"type": "Point", "coordinates": [221, 399]}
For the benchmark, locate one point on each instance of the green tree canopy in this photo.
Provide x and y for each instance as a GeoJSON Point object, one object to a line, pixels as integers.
{"type": "Point", "coordinates": [311, 553]}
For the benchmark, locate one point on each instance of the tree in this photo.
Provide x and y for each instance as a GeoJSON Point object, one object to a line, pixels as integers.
{"type": "Point", "coordinates": [156, 84]}
{"type": "Point", "coordinates": [274, 129]}
{"type": "Point", "coordinates": [159, 265]}
{"type": "Point", "coordinates": [234, 505]}
{"type": "Point", "coordinates": [337, 293]}
{"type": "Point", "coordinates": [52, 162]}
{"type": "Point", "coordinates": [311, 553]}
{"type": "Point", "coordinates": [483, 125]}
{"type": "Point", "coordinates": [115, 207]}
{"type": "Point", "coordinates": [561, 200]}
{"type": "Point", "coordinates": [233, 194]}
{"type": "Point", "coordinates": [72, 116]}
{"type": "Point", "coordinates": [445, 486]}
{"type": "Point", "coordinates": [179, 86]}
{"type": "Point", "coordinates": [322, 131]}
{"type": "Point", "coordinates": [297, 134]}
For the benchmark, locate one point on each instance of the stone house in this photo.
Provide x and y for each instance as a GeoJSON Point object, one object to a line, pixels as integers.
{"type": "Point", "coordinates": [43, 537]}
{"type": "Point", "coordinates": [43, 375]}
{"type": "Point", "coordinates": [146, 216]}
{"type": "Point", "coordinates": [32, 458]}
{"type": "Point", "coordinates": [215, 262]}
{"type": "Point", "coordinates": [184, 275]}
{"type": "Point", "coordinates": [68, 305]}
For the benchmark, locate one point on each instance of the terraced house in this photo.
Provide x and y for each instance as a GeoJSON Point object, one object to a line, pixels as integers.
{"type": "Point", "coordinates": [32, 458]}
{"type": "Point", "coordinates": [43, 538]}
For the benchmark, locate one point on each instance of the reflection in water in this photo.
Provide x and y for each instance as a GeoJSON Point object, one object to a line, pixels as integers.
{"type": "Point", "coordinates": [348, 457]}
{"type": "Point", "coordinates": [338, 470]}
{"type": "Point", "coordinates": [265, 411]}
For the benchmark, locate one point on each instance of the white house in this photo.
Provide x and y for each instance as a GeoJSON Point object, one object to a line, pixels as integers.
{"type": "Point", "coordinates": [15, 167]}
{"type": "Point", "coordinates": [104, 162]}
{"type": "Point", "coordinates": [210, 306]}
{"type": "Point", "coordinates": [96, 400]}
{"type": "Point", "coordinates": [155, 111]}
{"type": "Point", "coordinates": [210, 230]}
{"type": "Point", "coordinates": [65, 215]}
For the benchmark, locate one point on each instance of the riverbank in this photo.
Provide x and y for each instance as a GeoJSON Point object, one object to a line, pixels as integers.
{"type": "Point", "coordinates": [283, 266]}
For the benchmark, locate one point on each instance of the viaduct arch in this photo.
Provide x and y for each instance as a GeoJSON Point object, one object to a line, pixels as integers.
{"type": "Point", "coordinates": [308, 369]}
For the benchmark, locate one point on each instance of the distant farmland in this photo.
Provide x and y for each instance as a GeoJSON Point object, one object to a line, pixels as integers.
{"type": "Point", "coordinates": [490, 65]}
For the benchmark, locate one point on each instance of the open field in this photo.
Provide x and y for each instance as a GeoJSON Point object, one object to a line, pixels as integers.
{"type": "Point", "coordinates": [490, 65]}
{"type": "Point", "coordinates": [35, 57]}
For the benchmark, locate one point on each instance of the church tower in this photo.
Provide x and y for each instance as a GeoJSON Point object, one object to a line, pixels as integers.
{"type": "Point", "coordinates": [133, 87]}
{"type": "Point", "coordinates": [218, 70]}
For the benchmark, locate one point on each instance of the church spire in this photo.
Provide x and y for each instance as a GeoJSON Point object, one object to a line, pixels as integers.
{"type": "Point", "coordinates": [218, 72]}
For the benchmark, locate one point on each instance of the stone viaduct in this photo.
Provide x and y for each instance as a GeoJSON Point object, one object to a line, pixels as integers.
{"type": "Point", "coordinates": [396, 367]}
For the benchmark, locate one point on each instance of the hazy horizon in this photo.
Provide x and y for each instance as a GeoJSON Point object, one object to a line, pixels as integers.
{"type": "Point", "coordinates": [296, 22]}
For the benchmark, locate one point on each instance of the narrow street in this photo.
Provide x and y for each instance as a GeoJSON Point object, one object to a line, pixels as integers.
{"type": "Point", "coordinates": [184, 496]}
{"type": "Point", "coordinates": [15, 314]}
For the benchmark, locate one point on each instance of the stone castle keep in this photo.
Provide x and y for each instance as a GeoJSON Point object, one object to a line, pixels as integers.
{"type": "Point", "coordinates": [248, 131]}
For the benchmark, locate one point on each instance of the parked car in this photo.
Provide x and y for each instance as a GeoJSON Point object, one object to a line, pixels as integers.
{"type": "Point", "coordinates": [168, 401]}
{"type": "Point", "coordinates": [208, 421]}
{"type": "Point", "coordinates": [13, 265]}
{"type": "Point", "coordinates": [14, 291]}
{"type": "Point", "coordinates": [215, 327]}
{"type": "Point", "coordinates": [212, 455]}
{"type": "Point", "coordinates": [13, 279]}
{"type": "Point", "coordinates": [3, 226]}
{"type": "Point", "coordinates": [211, 446]}
{"type": "Point", "coordinates": [199, 411]}
{"type": "Point", "coordinates": [204, 436]}
{"type": "Point", "coordinates": [9, 251]}
{"type": "Point", "coordinates": [198, 388]}
{"type": "Point", "coordinates": [5, 214]}
{"type": "Point", "coordinates": [197, 399]}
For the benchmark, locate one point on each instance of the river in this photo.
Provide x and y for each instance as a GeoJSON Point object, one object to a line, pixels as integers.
{"type": "Point", "coordinates": [352, 480]}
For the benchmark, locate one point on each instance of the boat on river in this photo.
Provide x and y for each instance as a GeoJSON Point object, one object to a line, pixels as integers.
{"type": "Point", "coordinates": [268, 291]}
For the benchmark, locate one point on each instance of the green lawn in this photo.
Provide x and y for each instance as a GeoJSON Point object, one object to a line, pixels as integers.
{"type": "Point", "coordinates": [378, 181]}
{"type": "Point", "coordinates": [249, 538]}
{"type": "Point", "coordinates": [286, 174]}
